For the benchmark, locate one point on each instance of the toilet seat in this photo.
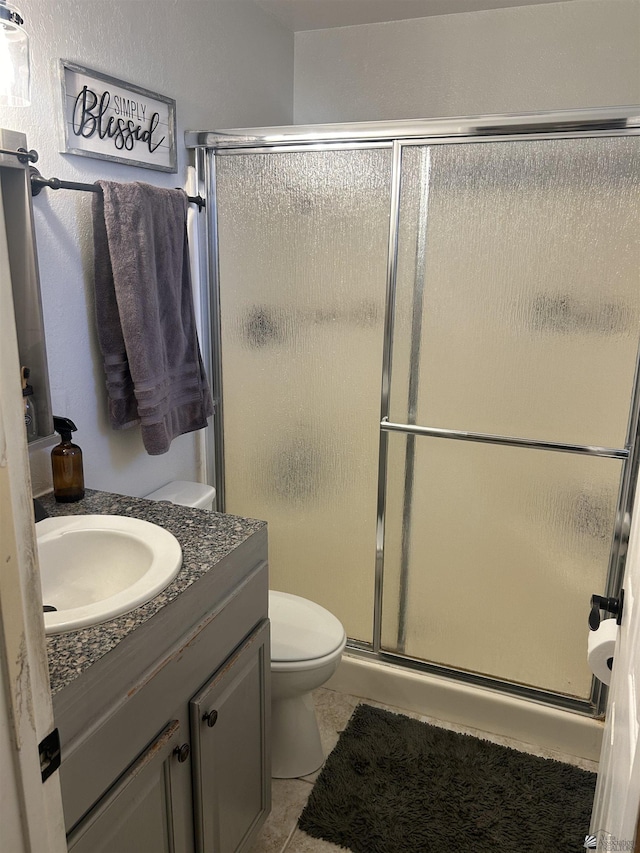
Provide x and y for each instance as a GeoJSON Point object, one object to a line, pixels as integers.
{"type": "Point", "coordinates": [302, 630]}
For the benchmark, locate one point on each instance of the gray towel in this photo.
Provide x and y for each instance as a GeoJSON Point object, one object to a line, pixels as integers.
{"type": "Point", "coordinates": [144, 310]}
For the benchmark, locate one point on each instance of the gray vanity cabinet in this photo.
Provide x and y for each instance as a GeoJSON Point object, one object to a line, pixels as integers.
{"type": "Point", "coordinates": [142, 812]}
{"type": "Point", "coordinates": [158, 806]}
{"type": "Point", "coordinates": [165, 739]}
{"type": "Point", "coordinates": [229, 725]}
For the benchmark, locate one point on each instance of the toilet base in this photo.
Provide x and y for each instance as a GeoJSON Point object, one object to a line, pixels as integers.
{"type": "Point", "coordinates": [296, 749]}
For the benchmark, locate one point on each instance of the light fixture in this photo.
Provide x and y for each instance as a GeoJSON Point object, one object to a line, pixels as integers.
{"type": "Point", "coordinates": [14, 58]}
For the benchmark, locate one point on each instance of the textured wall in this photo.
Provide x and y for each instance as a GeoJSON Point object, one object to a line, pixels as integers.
{"type": "Point", "coordinates": [228, 64]}
{"type": "Point", "coordinates": [557, 56]}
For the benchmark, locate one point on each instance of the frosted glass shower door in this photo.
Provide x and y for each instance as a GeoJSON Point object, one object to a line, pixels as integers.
{"type": "Point", "coordinates": [517, 316]}
{"type": "Point", "coordinates": [303, 257]}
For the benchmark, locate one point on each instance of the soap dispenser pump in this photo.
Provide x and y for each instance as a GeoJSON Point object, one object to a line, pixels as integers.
{"type": "Point", "coordinates": [66, 463]}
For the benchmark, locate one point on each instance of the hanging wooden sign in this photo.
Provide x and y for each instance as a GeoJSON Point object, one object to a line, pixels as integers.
{"type": "Point", "coordinates": [113, 120]}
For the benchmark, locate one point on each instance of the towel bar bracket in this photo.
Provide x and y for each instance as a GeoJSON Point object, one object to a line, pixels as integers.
{"type": "Point", "coordinates": [22, 154]}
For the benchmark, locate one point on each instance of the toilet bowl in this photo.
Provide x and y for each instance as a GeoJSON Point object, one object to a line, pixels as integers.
{"type": "Point", "coordinates": [306, 646]}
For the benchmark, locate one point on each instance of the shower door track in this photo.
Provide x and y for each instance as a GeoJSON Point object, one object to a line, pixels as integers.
{"type": "Point", "coordinates": [523, 691]}
{"type": "Point", "coordinates": [606, 122]}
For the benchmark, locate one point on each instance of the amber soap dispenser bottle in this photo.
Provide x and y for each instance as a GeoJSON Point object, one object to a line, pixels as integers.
{"type": "Point", "coordinates": [66, 462]}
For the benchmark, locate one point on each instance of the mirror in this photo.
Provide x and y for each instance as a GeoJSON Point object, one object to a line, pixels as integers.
{"type": "Point", "coordinates": [15, 196]}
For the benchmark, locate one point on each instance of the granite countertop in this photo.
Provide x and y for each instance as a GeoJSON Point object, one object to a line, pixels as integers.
{"type": "Point", "coordinates": [206, 538]}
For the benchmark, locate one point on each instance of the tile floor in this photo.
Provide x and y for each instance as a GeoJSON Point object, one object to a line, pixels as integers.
{"type": "Point", "coordinates": [280, 833]}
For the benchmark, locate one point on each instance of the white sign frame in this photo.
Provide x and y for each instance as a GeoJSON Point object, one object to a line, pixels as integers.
{"type": "Point", "coordinates": [102, 114]}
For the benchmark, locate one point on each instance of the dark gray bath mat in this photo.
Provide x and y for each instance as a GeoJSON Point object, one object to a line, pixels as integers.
{"type": "Point", "coordinates": [396, 785]}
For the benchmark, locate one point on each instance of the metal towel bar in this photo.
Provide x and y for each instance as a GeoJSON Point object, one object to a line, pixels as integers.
{"type": "Point", "coordinates": [38, 183]}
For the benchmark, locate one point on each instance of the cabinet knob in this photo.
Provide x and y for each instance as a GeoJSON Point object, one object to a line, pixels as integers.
{"type": "Point", "coordinates": [211, 718]}
{"type": "Point", "coordinates": [182, 752]}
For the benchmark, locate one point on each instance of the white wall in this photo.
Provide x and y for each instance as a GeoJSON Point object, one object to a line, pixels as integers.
{"type": "Point", "coordinates": [228, 64]}
{"type": "Point", "coordinates": [556, 56]}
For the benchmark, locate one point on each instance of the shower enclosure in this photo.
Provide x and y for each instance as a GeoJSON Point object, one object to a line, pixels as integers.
{"type": "Point", "coordinates": [424, 347]}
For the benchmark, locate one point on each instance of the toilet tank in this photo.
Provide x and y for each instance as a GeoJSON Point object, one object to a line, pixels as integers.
{"type": "Point", "coordinates": [185, 493]}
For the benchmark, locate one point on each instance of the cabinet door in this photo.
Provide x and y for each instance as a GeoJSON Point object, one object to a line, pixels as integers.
{"type": "Point", "coordinates": [138, 814]}
{"type": "Point", "coordinates": [230, 720]}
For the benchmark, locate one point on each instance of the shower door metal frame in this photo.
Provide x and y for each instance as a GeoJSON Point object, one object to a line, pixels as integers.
{"type": "Point", "coordinates": [571, 124]}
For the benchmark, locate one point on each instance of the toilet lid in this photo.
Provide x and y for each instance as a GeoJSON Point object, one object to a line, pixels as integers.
{"type": "Point", "coordinates": [301, 629]}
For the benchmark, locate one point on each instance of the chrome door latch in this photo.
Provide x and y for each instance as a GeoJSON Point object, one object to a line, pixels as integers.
{"type": "Point", "coordinates": [614, 606]}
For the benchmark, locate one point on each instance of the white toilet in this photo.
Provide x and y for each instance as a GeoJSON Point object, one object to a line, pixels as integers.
{"type": "Point", "coordinates": [306, 646]}
{"type": "Point", "coordinates": [185, 493]}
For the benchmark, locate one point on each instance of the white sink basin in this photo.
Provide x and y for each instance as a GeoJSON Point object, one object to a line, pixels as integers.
{"type": "Point", "coordinates": [95, 567]}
